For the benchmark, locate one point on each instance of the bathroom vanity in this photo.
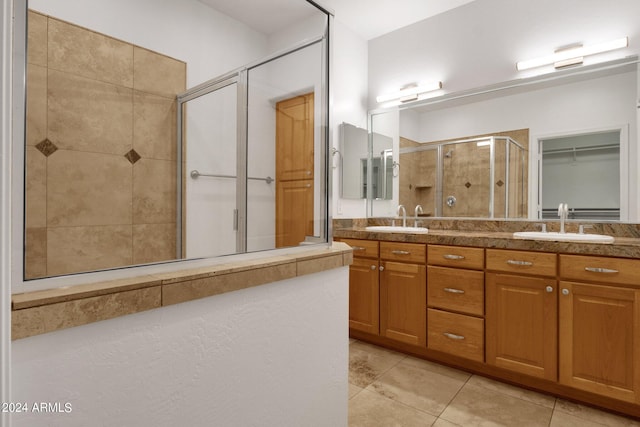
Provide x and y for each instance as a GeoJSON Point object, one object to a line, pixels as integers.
{"type": "Point", "coordinates": [558, 317]}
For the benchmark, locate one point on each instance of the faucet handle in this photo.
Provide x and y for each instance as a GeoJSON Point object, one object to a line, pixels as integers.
{"type": "Point", "coordinates": [543, 227]}
{"type": "Point", "coordinates": [582, 227]}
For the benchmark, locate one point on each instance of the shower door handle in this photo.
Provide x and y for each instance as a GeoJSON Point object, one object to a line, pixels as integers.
{"type": "Point", "coordinates": [235, 220]}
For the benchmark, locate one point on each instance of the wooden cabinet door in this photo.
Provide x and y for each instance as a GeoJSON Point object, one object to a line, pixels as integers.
{"type": "Point", "coordinates": [294, 138]}
{"type": "Point", "coordinates": [364, 295]}
{"type": "Point", "coordinates": [600, 339]}
{"type": "Point", "coordinates": [294, 212]}
{"type": "Point", "coordinates": [403, 302]}
{"type": "Point", "coordinates": [521, 324]}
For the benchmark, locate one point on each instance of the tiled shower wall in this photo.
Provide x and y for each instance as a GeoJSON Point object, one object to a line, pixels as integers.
{"type": "Point", "coordinates": [100, 150]}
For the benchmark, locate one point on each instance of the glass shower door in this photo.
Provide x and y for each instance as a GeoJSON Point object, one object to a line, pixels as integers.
{"type": "Point", "coordinates": [209, 196]}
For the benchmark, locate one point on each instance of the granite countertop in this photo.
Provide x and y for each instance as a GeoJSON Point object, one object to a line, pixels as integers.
{"type": "Point", "coordinates": [490, 236]}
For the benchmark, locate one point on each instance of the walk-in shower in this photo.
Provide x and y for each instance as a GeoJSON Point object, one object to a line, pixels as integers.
{"type": "Point", "coordinates": [476, 177]}
{"type": "Point", "coordinates": [135, 155]}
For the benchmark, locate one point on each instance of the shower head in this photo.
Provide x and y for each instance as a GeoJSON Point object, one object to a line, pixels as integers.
{"type": "Point", "coordinates": [448, 154]}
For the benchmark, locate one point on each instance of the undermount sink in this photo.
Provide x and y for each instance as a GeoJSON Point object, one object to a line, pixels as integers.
{"type": "Point", "coordinates": [396, 229]}
{"type": "Point", "coordinates": [563, 237]}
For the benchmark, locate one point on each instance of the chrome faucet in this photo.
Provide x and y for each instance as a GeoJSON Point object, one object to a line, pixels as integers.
{"type": "Point", "coordinates": [563, 213]}
{"type": "Point", "coordinates": [404, 215]}
{"type": "Point", "coordinates": [418, 210]}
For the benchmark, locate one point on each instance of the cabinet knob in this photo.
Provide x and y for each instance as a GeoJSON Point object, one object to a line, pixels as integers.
{"type": "Point", "coordinates": [565, 291]}
{"type": "Point", "coordinates": [382, 268]}
{"type": "Point", "coordinates": [549, 289]}
{"type": "Point", "coordinates": [373, 267]}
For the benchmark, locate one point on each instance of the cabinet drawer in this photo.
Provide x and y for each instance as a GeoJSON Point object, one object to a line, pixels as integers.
{"type": "Point", "coordinates": [456, 256]}
{"type": "Point", "coordinates": [363, 248]}
{"type": "Point", "coordinates": [456, 334]}
{"type": "Point", "coordinates": [538, 263]}
{"type": "Point", "coordinates": [600, 269]}
{"type": "Point", "coordinates": [455, 289]}
{"type": "Point", "coordinates": [403, 252]}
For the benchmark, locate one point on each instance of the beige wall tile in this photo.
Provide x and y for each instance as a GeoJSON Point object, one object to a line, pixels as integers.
{"type": "Point", "coordinates": [154, 126]}
{"type": "Point", "coordinates": [36, 123]}
{"type": "Point", "coordinates": [200, 288]}
{"type": "Point", "coordinates": [36, 38]}
{"type": "Point", "coordinates": [48, 318]}
{"type": "Point", "coordinates": [88, 189]}
{"type": "Point", "coordinates": [35, 256]}
{"type": "Point", "coordinates": [154, 242]}
{"type": "Point", "coordinates": [36, 188]}
{"type": "Point", "coordinates": [154, 192]}
{"type": "Point", "coordinates": [159, 74]}
{"type": "Point", "coordinates": [86, 53]}
{"type": "Point", "coordinates": [88, 115]}
{"type": "Point", "coordinates": [76, 249]}
{"type": "Point", "coordinates": [36, 242]}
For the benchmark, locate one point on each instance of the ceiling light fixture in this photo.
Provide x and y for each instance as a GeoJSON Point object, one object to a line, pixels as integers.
{"type": "Point", "coordinates": [409, 93]}
{"type": "Point", "coordinates": [572, 55]}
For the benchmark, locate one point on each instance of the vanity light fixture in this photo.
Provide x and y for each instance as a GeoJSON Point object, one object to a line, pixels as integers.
{"type": "Point", "coordinates": [409, 93]}
{"type": "Point", "coordinates": [572, 55]}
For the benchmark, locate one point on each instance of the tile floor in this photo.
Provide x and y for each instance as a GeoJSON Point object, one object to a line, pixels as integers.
{"type": "Point", "coordinates": [390, 389]}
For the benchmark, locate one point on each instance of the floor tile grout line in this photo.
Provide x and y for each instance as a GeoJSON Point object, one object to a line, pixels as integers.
{"type": "Point", "coordinates": [422, 411]}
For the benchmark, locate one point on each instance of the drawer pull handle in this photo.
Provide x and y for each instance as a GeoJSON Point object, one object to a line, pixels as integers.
{"type": "Point", "coordinates": [454, 291]}
{"type": "Point", "coordinates": [397, 252]}
{"type": "Point", "coordinates": [358, 248]}
{"type": "Point", "coordinates": [518, 262]}
{"type": "Point", "coordinates": [373, 267]}
{"type": "Point", "coordinates": [453, 257]}
{"type": "Point", "coordinates": [453, 336]}
{"type": "Point", "coordinates": [601, 270]}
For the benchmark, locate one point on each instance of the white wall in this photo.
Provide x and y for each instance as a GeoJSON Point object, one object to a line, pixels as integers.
{"type": "Point", "coordinates": [478, 44]}
{"type": "Point", "coordinates": [274, 355]}
{"type": "Point", "coordinates": [349, 85]}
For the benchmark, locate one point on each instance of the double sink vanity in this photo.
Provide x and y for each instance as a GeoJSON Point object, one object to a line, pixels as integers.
{"type": "Point", "coordinates": [555, 312]}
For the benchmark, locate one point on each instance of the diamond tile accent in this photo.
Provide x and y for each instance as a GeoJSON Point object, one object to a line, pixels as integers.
{"type": "Point", "coordinates": [132, 156]}
{"type": "Point", "coordinates": [46, 147]}
{"type": "Point", "coordinates": [468, 184]}
{"type": "Point", "coordinates": [500, 183]}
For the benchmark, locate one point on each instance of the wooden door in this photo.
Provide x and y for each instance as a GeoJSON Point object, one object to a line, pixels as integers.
{"type": "Point", "coordinates": [294, 170]}
{"type": "Point", "coordinates": [403, 302]}
{"type": "Point", "coordinates": [521, 324]}
{"type": "Point", "coordinates": [294, 212]}
{"type": "Point", "coordinates": [294, 138]}
{"type": "Point", "coordinates": [600, 339]}
{"type": "Point", "coordinates": [364, 295]}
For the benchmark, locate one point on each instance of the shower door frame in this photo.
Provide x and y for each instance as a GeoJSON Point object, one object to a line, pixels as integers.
{"type": "Point", "coordinates": [239, 78]}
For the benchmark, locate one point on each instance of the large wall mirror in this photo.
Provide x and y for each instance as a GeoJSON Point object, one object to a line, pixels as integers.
{"type": "Point", "coordinates": [518, 149]}
{"type": "Point", "coordinates": [174, 130]}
